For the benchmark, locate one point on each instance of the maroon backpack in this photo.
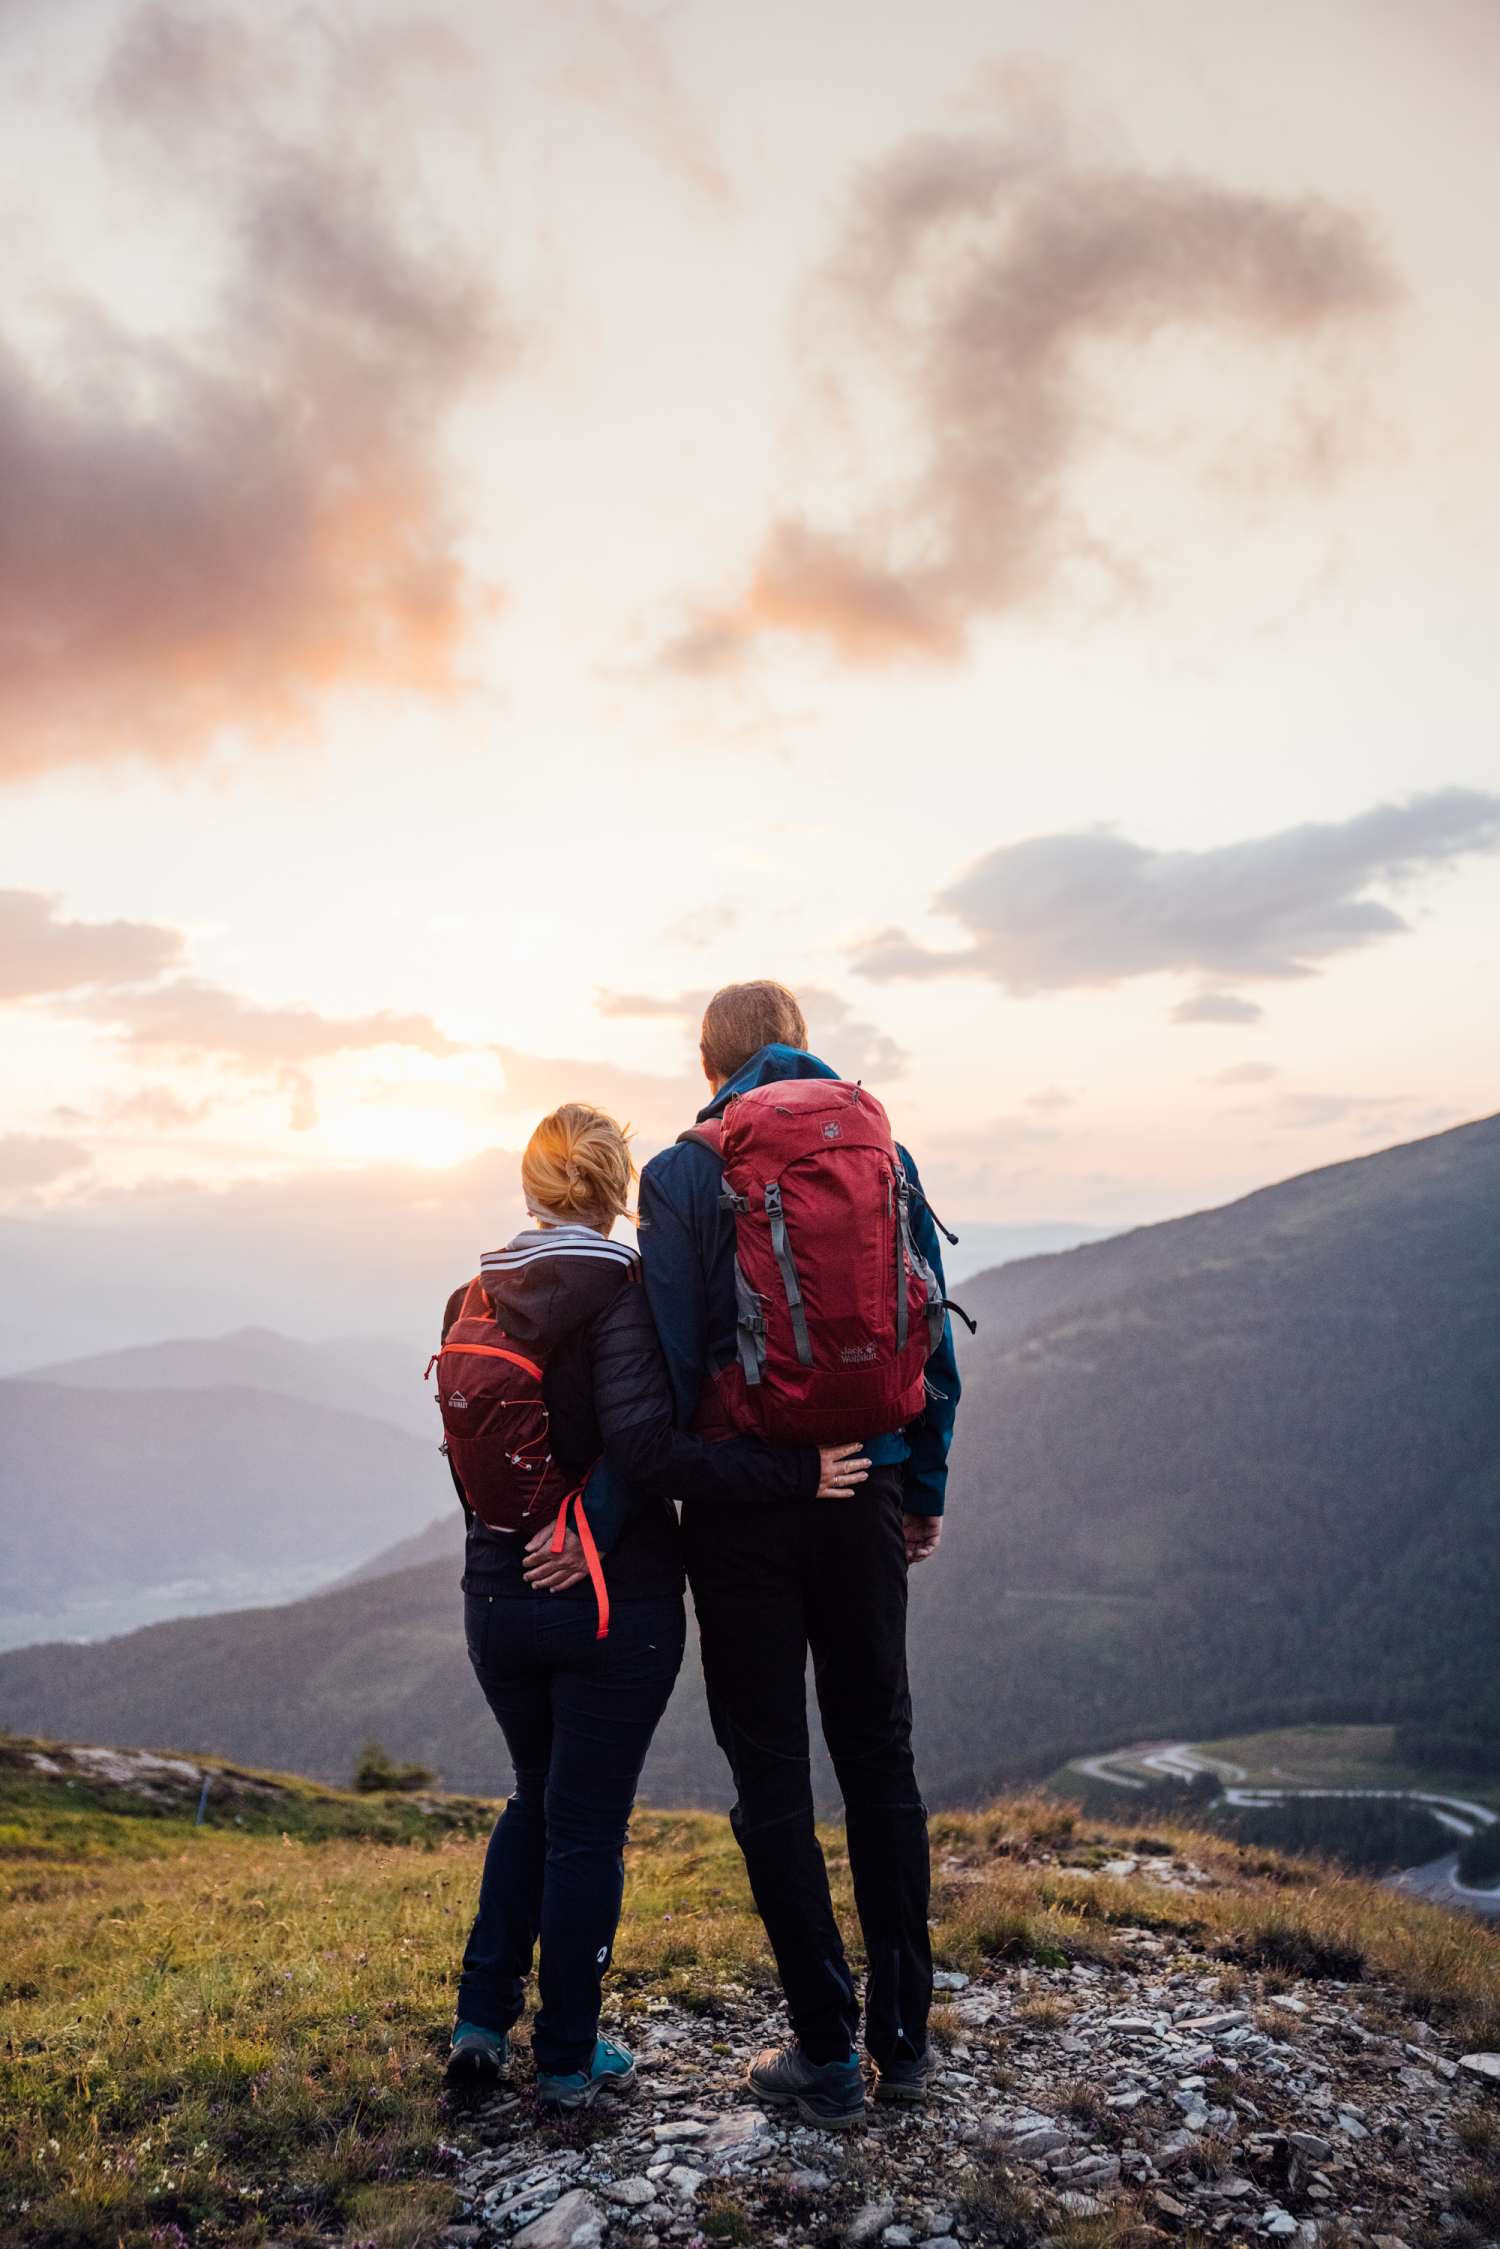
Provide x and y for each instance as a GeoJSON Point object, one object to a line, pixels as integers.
{"type": "Point", "coordinates": [497, 1435]}
{"type": "Point", "coordinates": [837, 1309]}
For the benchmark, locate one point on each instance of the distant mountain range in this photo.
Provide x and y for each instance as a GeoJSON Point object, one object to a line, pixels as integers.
{"type": "Point", "coordinates": [1239, 1469]}
{"type": "Point", "coordinates": [375, 1375]}
{"type": "Point", "coordinates": [119, 1505]}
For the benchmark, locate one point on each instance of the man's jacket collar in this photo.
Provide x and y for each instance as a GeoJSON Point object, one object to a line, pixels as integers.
{"type": "Point", "coordinates": [764, 1068]}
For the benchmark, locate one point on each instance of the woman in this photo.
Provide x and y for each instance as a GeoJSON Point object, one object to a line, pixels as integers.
{"type": "Point", "coordinates": [578, 1709]}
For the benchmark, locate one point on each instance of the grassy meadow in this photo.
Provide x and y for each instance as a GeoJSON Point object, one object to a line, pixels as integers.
{"type": "Point", "coordinates": [232, 2033]}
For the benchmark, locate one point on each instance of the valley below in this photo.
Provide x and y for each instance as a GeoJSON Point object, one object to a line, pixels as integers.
{"type": "Point", "coordinates": [229, 1994]}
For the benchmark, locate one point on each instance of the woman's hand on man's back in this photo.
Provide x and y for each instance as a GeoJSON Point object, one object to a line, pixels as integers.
{"type": "Point", "coordinates": [844, 1469]}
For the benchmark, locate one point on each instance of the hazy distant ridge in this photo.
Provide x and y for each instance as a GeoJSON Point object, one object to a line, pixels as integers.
{"type": "Point", "coordinates": [1242, 1468]}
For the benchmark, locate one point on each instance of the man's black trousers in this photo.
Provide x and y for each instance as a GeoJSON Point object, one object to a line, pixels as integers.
{"type": "Point", "coordinates": [771, 1581]}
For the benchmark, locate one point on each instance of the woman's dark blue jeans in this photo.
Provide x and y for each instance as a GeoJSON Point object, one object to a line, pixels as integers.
{"type": "Point", "coordinates": [577, 1715]}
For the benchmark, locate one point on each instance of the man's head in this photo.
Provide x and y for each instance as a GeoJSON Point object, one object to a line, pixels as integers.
{"type": "Point", "coordinates": [743, 1018]}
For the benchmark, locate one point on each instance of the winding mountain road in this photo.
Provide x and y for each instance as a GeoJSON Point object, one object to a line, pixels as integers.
{"type": "Point", "coordinates": [1139, 1764]}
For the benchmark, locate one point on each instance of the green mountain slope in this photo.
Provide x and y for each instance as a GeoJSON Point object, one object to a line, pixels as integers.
{"type": "Point", "coordinates": [1238, 1470]}
{"type": "Point", "coordinates": [119, 1505]}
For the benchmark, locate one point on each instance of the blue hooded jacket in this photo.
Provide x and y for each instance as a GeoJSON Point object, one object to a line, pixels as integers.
{"type": "Point", "coordinates": [687, 1253]}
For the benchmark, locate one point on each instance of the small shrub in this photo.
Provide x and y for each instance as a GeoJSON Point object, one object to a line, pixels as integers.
{"type": "Point", "coordinates": [1477, 2198]}
{"type": "Point", "coordinates": [1479, 2134]}
{"type": "Point", "coordinates": [1086, 2105]}
{"type": "Point", "coordinates": [1045, 2011]}
{"type": "Point", "coordinates": [1317, 1956]}
{"type": "Point", "coordinates": [998, 2210]}
{"type": "Point", "coordinates": [721, 2218]}
{"type": "Point", "coordinates": [374, 1773]}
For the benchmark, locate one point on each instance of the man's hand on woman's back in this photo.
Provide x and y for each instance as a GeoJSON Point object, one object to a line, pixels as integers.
{"type": "Point", "coordinates": [554, 1573]}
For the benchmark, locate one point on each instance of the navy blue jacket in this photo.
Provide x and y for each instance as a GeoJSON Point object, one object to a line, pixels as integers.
{"type": "Point", "coordinates": [687, 1251]}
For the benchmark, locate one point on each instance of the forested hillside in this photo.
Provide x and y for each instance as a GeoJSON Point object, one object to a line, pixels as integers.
{"type": "Point", "coordinates": [1239, 1470]}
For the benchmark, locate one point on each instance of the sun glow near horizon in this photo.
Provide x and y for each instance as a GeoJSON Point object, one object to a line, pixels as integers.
{"type": "Point", "coordinates": [1016, 568]}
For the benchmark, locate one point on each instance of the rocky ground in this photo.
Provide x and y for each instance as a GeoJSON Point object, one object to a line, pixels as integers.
{"type": "Point", "coordinates": [1158, 2094]}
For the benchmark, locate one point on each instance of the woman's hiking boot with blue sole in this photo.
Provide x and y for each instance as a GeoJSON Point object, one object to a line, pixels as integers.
{"type": "Point", "coordinates": [477, 2056]}
{"type": "Point", "coordinates": [611, 2071]}
{"type": "Point", "coordinates": [907, 2082]}
{"type": "Point", "coordinates": [831, 2094]}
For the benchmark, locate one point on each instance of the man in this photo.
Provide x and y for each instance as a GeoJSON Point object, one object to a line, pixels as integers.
{"type": "Point", "coordinates": [771, 1582]}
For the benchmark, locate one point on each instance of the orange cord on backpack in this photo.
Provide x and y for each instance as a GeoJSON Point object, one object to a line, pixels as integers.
{"type": "Point", "coordinates": [590, 1554]}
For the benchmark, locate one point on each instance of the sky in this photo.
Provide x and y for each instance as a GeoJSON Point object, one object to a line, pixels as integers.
{"type": "Point", "coordinates": [512, 516]}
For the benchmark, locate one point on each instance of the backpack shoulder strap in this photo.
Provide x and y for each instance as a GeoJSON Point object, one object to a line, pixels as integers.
{"type": "Point", "coordinates": [709, 1136]}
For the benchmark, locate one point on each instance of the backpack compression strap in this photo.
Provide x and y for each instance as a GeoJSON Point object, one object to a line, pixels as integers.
{"type": "Point", "coordinates": [590, 1554]}
{"type": "Point", "coordinates": [750, 1325]}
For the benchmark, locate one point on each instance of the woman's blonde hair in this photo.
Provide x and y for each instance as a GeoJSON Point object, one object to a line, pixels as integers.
{"type": "Point", "coordinates": [578, 1166]}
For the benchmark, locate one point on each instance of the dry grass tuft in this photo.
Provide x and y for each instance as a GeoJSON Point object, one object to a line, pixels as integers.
{"type": "Point", "coordinates": [1046, 2010]}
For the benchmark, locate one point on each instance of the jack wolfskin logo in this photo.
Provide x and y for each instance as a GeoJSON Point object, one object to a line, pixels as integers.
{"type": "Point", "coordinates": [833, 1132]}
{"type": "Point", "coordinates": [457, 1399]}
{"type": "Point", "coordinates": [858, 1354]}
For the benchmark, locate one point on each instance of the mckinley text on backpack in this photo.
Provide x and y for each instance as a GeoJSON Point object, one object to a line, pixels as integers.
{"type": "Point", "coordinates": [837, 1309]}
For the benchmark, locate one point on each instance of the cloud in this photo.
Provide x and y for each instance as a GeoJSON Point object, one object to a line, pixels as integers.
{"type": "Point", "coordinates": [33, 1159]}
{"type": "Point", "coordinates": [658, 1105]}
{"type": "Point", "coordinates": [700, 925]}
{"type": "Point", "coordinates": [1089, 910]}
{"type": "Point", "coordinates": [40, 952]}
{"type": "Point", "coordinates": [1049, 1099]}
{"type": "Point", "coordinates": [1244, 1073]}
{"type": "Point", "coordinates": [652, 1006]}
{"type": "Point", "coordinates": [854, 1047]}
{"type": "Point", "coordinates": [219, 534]}
{"type": "Point", "coordinates": [625, 67]}
{"type": "Point", "coordinates": [199, 1022]}
{"type": "Point", "coordinates": [1217, 1007]}
{"type": "Point", "coordinates": [1375, 1116]}
{"type": "Point", "coordinates": [194, 1017]}
{"type": "Point", "coordinates": [982, 1165]}
{"type": "Point", "coordinates": [150, 1108]}
{"type": "Point", "coordinates": [984, 287]}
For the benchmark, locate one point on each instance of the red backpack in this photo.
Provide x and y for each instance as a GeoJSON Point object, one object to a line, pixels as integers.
{"type": "Point", "coordinates": [497, 1435]}
{"type": "Point", "coordinates": [837, 1309]}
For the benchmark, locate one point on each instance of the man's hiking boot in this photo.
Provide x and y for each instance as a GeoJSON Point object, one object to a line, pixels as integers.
{"type": "Point", "coordinates": [477, 2056]}
{"type": "Point", "coordinates": [908, 2081]}
{"type": "Point", "coordinates": [828, 2093]}
{"type": "Point", "coordinates": [611, 2071]}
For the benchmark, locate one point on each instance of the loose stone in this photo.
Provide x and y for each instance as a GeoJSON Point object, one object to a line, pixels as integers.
{"type": "Point", "coordinates": [571, 2223]}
